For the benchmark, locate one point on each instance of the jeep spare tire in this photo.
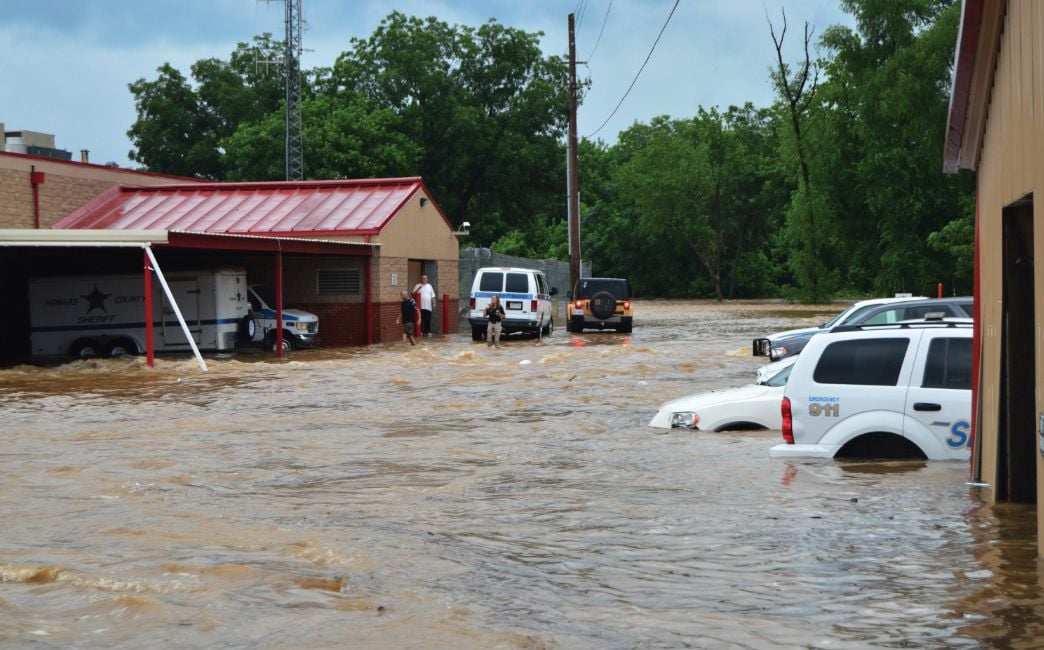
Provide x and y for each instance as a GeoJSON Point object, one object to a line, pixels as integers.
{"type": "Point", "coordinates": [603, 304]}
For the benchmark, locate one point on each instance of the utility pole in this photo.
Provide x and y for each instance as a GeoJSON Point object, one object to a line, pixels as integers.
{"type": "Point", "coordinates": [574, 197]}
{"type": "Point", "coordinates": [292, 63]}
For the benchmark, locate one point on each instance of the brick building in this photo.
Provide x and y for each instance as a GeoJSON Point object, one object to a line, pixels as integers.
{"type": "Point", "coordinates": [402, 232]}
{"type": "Point", "coordinates": [37, 191]}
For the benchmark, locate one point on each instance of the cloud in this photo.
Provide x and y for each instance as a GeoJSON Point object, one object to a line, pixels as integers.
{"type": "Point", "coordinates": [69, 63]}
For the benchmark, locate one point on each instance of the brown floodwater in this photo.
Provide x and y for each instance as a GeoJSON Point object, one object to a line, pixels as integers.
{"type": "Point", "coordinates": [449, 495]}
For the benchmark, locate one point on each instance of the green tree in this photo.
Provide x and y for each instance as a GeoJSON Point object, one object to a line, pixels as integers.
{"type": "Point", "coordinates": [179, 127]}
{"type": "Point", "coordinates": [809, 227]}
{"type": "Point", "coordinates": [891, 78]}
{"type": "Point", "coordinates": [484, 106]}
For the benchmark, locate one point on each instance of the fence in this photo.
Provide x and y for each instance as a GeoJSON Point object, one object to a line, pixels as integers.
{"type": "Point", "coordinates": [556, 271]}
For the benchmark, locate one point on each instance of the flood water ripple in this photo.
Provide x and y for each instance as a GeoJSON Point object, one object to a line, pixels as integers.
{"type": "Point", "coordinates": [454, 496]}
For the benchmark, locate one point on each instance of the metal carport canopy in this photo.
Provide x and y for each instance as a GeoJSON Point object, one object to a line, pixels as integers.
{"type": "Point", "coordinates": [147, 239]}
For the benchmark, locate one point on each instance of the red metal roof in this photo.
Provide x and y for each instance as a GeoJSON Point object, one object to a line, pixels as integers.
{"type": "Point", "coordinates": [347, 207]}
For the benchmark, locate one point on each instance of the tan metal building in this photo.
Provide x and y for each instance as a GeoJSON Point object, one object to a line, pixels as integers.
{"type": "Point", "coordinates": [996, 127]}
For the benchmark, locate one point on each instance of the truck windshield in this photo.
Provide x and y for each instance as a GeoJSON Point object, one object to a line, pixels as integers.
{"type": "Point", "coordinates": [262, 294]}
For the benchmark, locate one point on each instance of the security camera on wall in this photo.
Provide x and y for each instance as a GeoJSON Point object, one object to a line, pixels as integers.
{"type": "Point", "coordinates": [466, 225]}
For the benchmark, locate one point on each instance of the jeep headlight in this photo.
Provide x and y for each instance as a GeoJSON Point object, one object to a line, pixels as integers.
{"type": "Point", "coordinates": [779, 352]}
{"type": "Point", "coordinates": [684, 420]}
{"type": "Point", "coordinates": [300, 325]}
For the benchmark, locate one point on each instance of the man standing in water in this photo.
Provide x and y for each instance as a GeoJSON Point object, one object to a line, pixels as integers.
{"type": "Point", "coordinates": [427, 303]}
{"type": "Point", "coordinates": [407, 317]}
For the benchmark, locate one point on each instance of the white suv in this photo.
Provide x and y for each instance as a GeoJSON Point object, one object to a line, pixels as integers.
{"type": "Point", "coordinates": [898, 391]}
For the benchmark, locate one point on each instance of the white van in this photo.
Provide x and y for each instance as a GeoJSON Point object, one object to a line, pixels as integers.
{"type": "Point", "coordinates": [524, 294]}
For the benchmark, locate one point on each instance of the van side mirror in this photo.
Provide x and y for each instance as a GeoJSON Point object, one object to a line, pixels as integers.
{"type": "Point", "coordinates": [554, 291]}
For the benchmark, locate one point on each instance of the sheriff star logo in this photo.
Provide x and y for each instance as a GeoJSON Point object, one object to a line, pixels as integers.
{"type": "Point", "coordinates": [97, 300]}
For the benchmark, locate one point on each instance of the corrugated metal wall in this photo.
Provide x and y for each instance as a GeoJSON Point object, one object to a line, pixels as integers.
{"type": "Point", "coordinates": [1011, 167]}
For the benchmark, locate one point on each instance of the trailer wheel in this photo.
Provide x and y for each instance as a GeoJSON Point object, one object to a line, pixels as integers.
{"type": "Point", "coordinates": [120, 347]}
{"type": "Point", "coordinates": [84, 348]}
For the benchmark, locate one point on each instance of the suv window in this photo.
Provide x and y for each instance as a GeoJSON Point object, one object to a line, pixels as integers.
{"type": "Point", "coordinates": [491, 282]}
{"type": "Point", "coordinates": [948, 364]}
{"type": "Point", "coordinates": [618, 288]}
{"type": "Point", "coordinates": [517, 283]}
{"type": "Point", "coordinates": [866, 362]}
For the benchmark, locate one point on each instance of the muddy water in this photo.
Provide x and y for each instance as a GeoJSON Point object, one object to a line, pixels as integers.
{"type": "Point", "coordinates": [454, 496]}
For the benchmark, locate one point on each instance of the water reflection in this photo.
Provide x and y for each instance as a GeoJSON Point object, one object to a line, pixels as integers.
{"type": "Point", "coordinates": [453, 496]}
{"type": "Point", "coordinates": [1007, 605]}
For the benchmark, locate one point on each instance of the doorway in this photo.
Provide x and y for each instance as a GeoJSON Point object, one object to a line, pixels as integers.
{"type": "Point", "coordinates": [1017, 440]}
{"type": "Point", "coordinates": [430, 268]}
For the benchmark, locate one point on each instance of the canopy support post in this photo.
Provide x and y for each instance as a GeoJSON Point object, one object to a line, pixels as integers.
{"type": "Point", "coordinates": [177, 310]}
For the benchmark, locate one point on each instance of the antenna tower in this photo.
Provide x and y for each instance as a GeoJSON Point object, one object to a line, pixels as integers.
{"type": "Point", "coordinates": [292, 68]}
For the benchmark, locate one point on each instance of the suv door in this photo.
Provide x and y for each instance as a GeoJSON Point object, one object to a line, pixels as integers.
{"type": "Point", "coordinates": [938, 404]}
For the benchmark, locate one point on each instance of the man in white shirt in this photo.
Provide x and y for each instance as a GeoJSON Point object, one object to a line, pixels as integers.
{"type": "Point", "coordinates": [427, 303]}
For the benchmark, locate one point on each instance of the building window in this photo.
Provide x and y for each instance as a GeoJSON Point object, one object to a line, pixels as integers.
{"type": "Point", "coordinates": [339, 282]}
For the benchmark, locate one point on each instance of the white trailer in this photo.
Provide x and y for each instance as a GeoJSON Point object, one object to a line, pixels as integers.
{"type": "Point", "coordinates": [88, 316]}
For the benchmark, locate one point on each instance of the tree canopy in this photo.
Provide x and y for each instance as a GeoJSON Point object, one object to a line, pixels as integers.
{"type": "Point", "coordinates": [836, 188]}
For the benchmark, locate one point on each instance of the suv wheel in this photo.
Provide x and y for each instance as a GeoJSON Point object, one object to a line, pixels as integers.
{"type": "Point", "coordinates": [477, 333]}
{"type": "Point", "coordinates": [603, 304]}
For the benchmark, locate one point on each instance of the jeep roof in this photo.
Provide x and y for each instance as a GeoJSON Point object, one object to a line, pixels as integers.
{"type": "Point", "coordinates": [587, 287]}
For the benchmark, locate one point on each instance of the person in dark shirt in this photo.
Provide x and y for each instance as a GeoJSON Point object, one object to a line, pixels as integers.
{"type": "Point", "coordinates": [495, 315]}
{"type": "Point", "coordinates": [407, 317]}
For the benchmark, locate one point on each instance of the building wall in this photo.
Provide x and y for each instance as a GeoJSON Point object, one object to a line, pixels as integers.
{"type": "Point", "coordinates": [1011, 166]}
{"type": "Point", "coordinates": [67, 186]}
{"type": "Point", "coordinates": [419, 233]}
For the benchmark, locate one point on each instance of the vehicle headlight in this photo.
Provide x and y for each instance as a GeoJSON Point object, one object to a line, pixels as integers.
{"type": "Point", "coordinates": [684, 420]}
{"type": "Point", "coordinates": [780, 351]}
{"type": "Point", "coordinates": [301, 325]}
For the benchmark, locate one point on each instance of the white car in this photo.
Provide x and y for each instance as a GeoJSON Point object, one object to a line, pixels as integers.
{"type": "Point", "coordinates": [769, 346]}
{"type": "Point", "coordinates": [754, 406]}
{"type": "Point", "coordinates": [894, 391]}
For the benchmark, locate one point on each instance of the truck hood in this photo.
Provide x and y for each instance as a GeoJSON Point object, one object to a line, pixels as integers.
{"type": "Point", "coordinates": [291, 315]}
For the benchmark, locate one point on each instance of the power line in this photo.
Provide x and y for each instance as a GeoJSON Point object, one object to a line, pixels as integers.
{"type": "Point", "coordinates": [601, 31]}
{"type": "Point", "coordinates": [635, 80]}
{"type": "Point", "coordinates": [581, 9]}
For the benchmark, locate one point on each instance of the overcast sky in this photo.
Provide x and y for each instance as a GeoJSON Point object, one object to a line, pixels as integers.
{"type": "Point", "coordinates": [67, 63]}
